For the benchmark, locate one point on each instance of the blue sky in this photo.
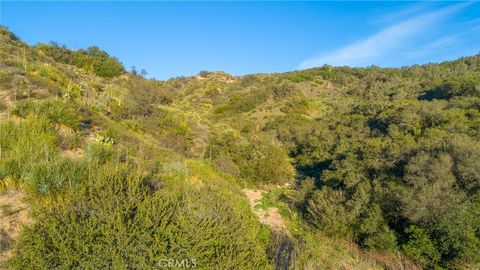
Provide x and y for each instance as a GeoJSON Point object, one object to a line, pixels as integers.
{"type": "Point", "coordinates": [181, 38]}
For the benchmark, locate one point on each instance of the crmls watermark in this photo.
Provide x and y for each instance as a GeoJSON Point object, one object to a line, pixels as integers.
{"type": "Point", "coordinates": [177, 263]}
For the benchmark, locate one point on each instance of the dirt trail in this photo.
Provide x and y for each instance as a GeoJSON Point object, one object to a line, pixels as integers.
{"type": "Point", "coordinates": [14, 213]}
{"type": "Point", "coordinates": [283, 247]}
{"type": "Point", "coordinates": [270, 217]}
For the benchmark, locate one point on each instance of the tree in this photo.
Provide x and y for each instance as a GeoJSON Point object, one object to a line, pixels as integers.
{"type": "Point", "coordinates": [429, 192]}
{"type": "Point", "coordinates": [133, 70]}
{"type": "Point", "coordinates": [421, 248]}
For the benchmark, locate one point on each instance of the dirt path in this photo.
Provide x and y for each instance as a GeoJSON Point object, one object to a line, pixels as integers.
{"type": "Point", "coordinates": [270, 216]}
{"type": "Point", "coordinates": [14, 213]}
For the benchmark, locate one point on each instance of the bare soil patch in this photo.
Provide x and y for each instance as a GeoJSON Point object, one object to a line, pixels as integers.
{"type": "Point", "coordinates": [14, 213]}
{"type": "Point", "coordinates": [270, 217]}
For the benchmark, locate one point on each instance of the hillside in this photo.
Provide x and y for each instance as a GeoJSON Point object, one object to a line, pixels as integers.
{"type": "Point", "coordinates": [325, 168]}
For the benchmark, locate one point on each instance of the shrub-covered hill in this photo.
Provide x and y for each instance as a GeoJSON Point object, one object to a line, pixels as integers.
{"type": "Point", "coordinates": [370, 168]}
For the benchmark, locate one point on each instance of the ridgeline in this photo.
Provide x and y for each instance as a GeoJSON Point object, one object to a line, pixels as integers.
{"type": "Point", "coordinates": [362, 168]}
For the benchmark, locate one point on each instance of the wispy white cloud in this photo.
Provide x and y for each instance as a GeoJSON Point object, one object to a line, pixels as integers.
{"type": "Point", "coordinates": [434, 46]}
{"type": "Point", "coordinates": [365, 52]}
{"type": "Point", "coordinates": [401, 14]}
{"type": "Point", "coordinates": [459, 39]}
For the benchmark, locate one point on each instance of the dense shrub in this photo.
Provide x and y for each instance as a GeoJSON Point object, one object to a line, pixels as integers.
{"type": "Point", "coordinates": [92, 59]}
{"type": "Point", "coordinates": [460, 86]}
{"type": "Point", "coordinates": [257, 163]}
{"type": "Point", "coordinates": [386, 158]}
{"type": "Point", "coordinates": [421, 248]}
{"type": "Point", "coordinates": [116, 220]}
{"type": "Point", "coordinates": [243, 103]}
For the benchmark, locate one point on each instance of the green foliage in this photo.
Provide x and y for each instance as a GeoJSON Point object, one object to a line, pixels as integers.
{"type": "Point", "coordinates": [430, 182]}
{"type": "Point", "coordinates": [104, 140]}
{"type": "Point", "coordinates": [309, 142]}
{"type": "Point", "coordinates": [28, 155]}
{"type": "Point", "coordinates": [203, 73]}
{"type": "Point", "coordinates": [466, 156]}
{"type": "Point", "coordinates": [373, 232]}
{"type": "Point", "coordinates": [265, 202]}
{"type": "Point", "coordinates": [297, 105]}
{"type": "Point", "coordinates": [421, 248]}
{"type": "Point", "coordinates": [385, 158]}
{"type": "Point", "coordinates": [172, 129]}
{"type": "Point", "coordinates": [281, 89]}
{"type": "Point", "coordinates": [456, 235]}
{"type": "Point", "coordinates": [4, 31]}
{"type": "Point", "coordinates": [258, 163]}
{"type": "Point", "coordinates": [53, 176]}
{"type": "Point", "coordinates": [117, 221]}
{"type": "Point", "coordinates": [56, 111]}
{"type": "Point", "coordinates": [326, 212]}
{"type": "Point", "coordinates": [101, 153]}
{"type": "Point", "coordinates": [92, 59]}
{"type": "Point", "coordinates": [468, 85]}
{"type": "Point", "coordinates": [24, 144]}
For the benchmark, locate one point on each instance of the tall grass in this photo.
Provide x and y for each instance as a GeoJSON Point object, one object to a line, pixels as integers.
{"type": "Point", "coordinates": [56, 111]}
{"type": "Point", "coordinates": [29, 157]}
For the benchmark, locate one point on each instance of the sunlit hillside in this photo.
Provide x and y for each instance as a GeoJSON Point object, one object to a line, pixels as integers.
{"type": "Point", "coordinates": [325, 168]}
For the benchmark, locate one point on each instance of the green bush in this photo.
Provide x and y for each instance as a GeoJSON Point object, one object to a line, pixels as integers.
{"type": "Point", "coordinates": [297, 105]}
{"type": "Point", "coordinates": [456, 235]}
{"type": "Point", "coordinates": [258, 163]}
{"type": "Point", "coordinates": [243, 103]}
{"type": "Point", "coordinates": [373, 232]}
{"type": "Point", "coordinates": [99, 153]}
{"type": "Point", "coordinates": [421, 248]}
{"type": "Point", "coordinates": [115, 220]}
{"type": "Point", "coordinates": [381, 156]}
{"type": "Point", "coordinates": [92, 59]}
{"type": "Point", "coordinates": [326, 211]}
{"type": "Point", "coordinates": [56, 111]}
{"type": "Point", "coordinates": [459, 86]}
